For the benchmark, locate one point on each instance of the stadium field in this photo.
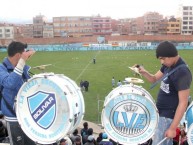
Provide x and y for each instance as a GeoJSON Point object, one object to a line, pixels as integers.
{"type": "Point", "coordinates": [79, 66]}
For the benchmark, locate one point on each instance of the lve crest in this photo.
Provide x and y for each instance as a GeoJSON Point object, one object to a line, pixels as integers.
{"type": "Point", "coordinates": [130, 119]}
{"type": "Point", "coordinates": [42, 106]}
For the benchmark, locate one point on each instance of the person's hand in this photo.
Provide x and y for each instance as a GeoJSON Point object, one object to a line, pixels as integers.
{"type": "Point", "coordinates": [27, 54]}
{"type": "Point", "coordinates": [139, 68]}
{"type": "Point", "coordinates": [170, 133]}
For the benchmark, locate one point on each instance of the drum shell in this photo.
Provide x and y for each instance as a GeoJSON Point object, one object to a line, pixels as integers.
{"type": "Point", "coordinates": [48, 125]}
{"type": "Point", "coordinates": [123, 108]}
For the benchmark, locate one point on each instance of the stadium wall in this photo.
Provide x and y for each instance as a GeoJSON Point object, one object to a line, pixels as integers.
{"type": "Point", "coordinates": [134, 42]}
{"type": "Point", "coordinates": [123, 45]}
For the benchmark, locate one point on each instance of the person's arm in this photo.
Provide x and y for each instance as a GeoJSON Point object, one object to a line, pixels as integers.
{"type": "Point", "coordinates": [11, 80]}
{"type": "Point", "coordinates": [150, 77]}
{"type": "Point", "coordinates": [182, 105]}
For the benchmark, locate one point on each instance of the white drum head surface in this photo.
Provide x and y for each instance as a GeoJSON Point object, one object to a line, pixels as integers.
{"type": "Point", "coordinates": [45, 107]}
{"type": "Point", "coordinates": [128, 117]}
{"type": "Point", "coordinates": [190, 135]}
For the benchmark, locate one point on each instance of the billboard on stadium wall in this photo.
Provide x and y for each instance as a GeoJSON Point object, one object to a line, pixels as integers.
{"type": "Point", "coordinates": [3, 49]}
{"type": "Point", "coordinates": [114, 46]}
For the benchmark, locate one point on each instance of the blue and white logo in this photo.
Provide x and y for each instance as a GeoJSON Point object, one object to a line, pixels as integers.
{"type": "Point", "coordinates": [130, 118]}
{"type": "Point", "coordinates": [42, 106]}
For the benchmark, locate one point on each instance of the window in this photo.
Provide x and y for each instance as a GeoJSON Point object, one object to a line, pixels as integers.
{"type": "Point", "coordinates": [185, 23]}
{"type": "Point", "coordinates": [73, 19]}
{"type": "Point", "coordinates": [56, 19]}
{"type": "Point", "coordinates": [185, 27]}
{"type": "Point", "coordinates": [185, 8]}
{"type": "Point", "coordinates": [7, 30]}
{"type": "Point", "coordinates": [185, 13]}
{"type": "Point", "coordinates": [185, 18]}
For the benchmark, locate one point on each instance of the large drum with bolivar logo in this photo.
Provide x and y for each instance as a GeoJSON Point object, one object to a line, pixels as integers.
{"type": "Point", "coordinates": [129, 115]}
{"type": "Point", "coordinates": [49, 106]}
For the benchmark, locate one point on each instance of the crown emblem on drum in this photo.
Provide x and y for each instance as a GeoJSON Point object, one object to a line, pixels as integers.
{"type": "Point", "coordinates": [130, 108]}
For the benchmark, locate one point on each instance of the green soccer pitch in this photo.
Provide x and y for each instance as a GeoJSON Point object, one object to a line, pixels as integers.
{"type": "Point", "coordinates": [78, 65]}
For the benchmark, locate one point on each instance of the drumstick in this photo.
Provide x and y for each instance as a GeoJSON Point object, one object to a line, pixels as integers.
{"type": "Point", "coordinates": [162, 141]}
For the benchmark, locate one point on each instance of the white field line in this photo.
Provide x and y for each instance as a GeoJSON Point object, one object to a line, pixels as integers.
{"type": "Point", "coordinates": [86, 67]}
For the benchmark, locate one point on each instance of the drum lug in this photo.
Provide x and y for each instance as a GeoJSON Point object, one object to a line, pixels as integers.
{"type": "Point", "coordinates": [70, 120]}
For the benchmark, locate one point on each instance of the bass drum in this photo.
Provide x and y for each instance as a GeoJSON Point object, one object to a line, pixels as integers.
{"type": "Point", "coordinates": [129, 115]}
{"type": "Point", "coordinates": [49, 106]}
{"type": "Point", "coordinates": [189, 116]}
{"type": "Point", "coordinates": [190, 135]}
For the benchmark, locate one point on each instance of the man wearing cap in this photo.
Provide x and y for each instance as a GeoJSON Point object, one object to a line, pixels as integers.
{"type": "Point", "coordinates": [105, 140]}
{"type": "Point", "coordinates": [174, 91]}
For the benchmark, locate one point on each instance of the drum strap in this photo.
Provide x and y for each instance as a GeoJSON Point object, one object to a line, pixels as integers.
{"type": "Point", "coordinates": [166, 75]}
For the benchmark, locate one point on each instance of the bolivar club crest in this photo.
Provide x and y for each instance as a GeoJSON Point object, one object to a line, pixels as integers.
{"type": "Point", "coordinates": [42, 106]}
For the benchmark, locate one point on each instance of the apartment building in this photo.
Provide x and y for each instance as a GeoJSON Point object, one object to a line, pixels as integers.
{"type": "Point", "coordinates": [28, 31]}
{"type": "Point", "coordinates": [101, 25]}
{"type": "Point", "coordinates": [174, 26]}
{"type": "Point", "coordinates": [151, 23]}
{"type": "Point", "coordinates": [75, 26]}
{"type": "Point", "coordinates": [48, 30]}
{"type": "Point", "coordinates": [114, 26]}
{"type": "Point", "coordinates": [136, 26]}
{"type": "Point", "coordinates": [6, 32]}
{"type": "Point", "coordinates": [38, 23]}
{"type": "Point", "coordinates": [123, 26]}
{"type": "Point", "coordinates": [186, 13]}
{"type": "Point", "coordinates": [162, 26]}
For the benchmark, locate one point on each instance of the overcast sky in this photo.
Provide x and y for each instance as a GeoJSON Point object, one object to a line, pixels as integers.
{"type": "Point", "coordinates": [27, 9]}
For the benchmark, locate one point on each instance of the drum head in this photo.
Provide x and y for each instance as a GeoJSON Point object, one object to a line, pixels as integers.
{"type": "Point", "coordinates": [128, 117]}
{"type": "Point", "coordinates": [47, 108]}
{"type": "Point", "coordinates": [190, 135]}
{"type": "Point", "coordinates": [189, 115]}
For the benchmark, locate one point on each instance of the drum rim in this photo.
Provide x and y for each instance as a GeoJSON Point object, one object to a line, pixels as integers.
{"type": "Point", "coordinates": [126, 86]}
